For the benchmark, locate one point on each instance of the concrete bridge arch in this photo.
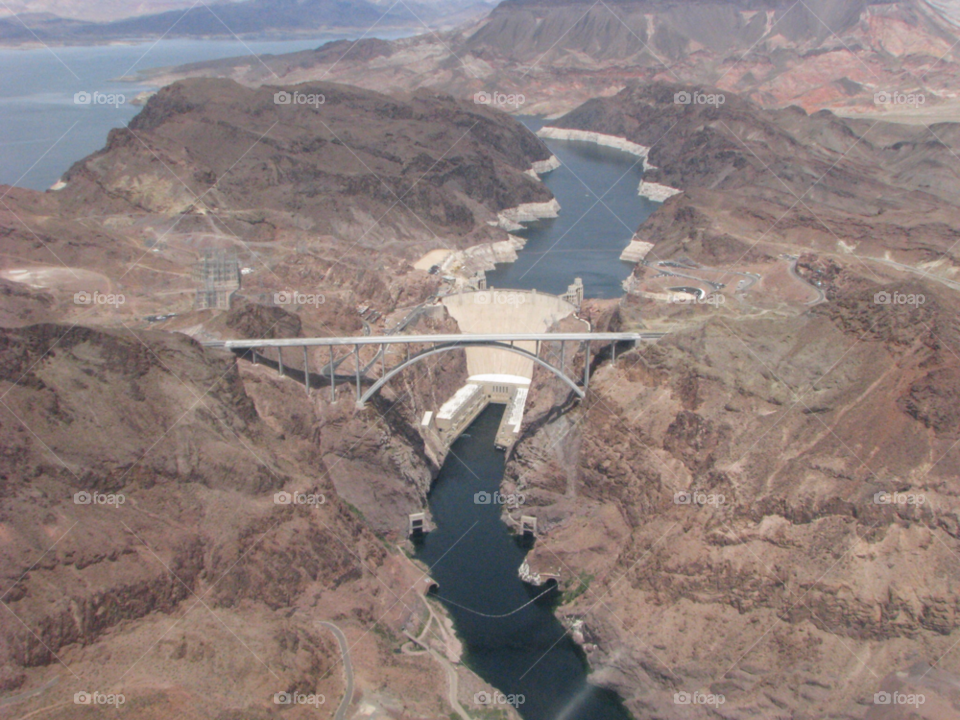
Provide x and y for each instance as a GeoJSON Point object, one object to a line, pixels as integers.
{"type": "Point", "coordinates": [461, 345]}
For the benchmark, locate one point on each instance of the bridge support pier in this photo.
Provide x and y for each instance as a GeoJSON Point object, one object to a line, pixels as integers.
{"type": "Point", "coordinates": [562, 347]}
{"type": "Point", "coordinates": [333, 378]}
{"type": "Point", "coordinates": [280, 361]}
{"type": "Point", "coordinates": [586, 365]}
{"type": "Point", "coordinates": [306, 370]}
{"type": "Point", "coordinates": [356, 356]}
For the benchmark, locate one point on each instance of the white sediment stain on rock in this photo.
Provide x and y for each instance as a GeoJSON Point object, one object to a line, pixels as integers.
{"type": "Point", "coordinates": [612, 141]}
{"type": "Point", "coordinates": [527, 576]}
{"type": "Point", "coordinates": [636, 251]}
{"type": "Point", "coordinates": [656, 191]}
{"type": "Point", "coordinates": [542, 167]}
{"type": "Point", "coordinates": [511, 219]}
{"type": "Point", "coordinates": [485, 256]}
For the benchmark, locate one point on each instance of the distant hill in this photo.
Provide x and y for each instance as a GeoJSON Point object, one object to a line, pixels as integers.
{"type": "Point", "coordinates": [838, 54]}
{"type": "Point", "coordinates": [100, 11]}
{"type": "Point", "coordinates": [252, 18]}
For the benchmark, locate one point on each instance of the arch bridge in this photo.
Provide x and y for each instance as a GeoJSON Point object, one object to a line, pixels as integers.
{"type": "Point", "coordinates": [431, 345]}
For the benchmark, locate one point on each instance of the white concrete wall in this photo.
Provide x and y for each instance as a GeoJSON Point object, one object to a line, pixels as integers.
{"type": "Point", "coordinates": [504, 311]}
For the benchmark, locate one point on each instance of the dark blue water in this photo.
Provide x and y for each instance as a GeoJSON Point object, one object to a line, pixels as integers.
{"type": "Point", "coordinates": [587, 238]}
{"type": "Point", "coordinates": [45, 132]}
{"type": "Point", "coordinates": [475, 559]}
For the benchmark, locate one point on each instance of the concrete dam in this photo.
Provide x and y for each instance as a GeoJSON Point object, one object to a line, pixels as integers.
{"type": "Point", "coordinates": [495, 375]}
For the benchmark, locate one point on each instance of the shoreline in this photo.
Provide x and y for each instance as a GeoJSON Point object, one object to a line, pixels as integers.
{"type": "Point", "coordinates": [512, 219]}
{"type": "Point", "coordinates": [656, 191]}
{"type": "Point", "coordinates": [486, 256]}
{"type": "Point", "coordinates": [549, 132]}
{"type": "Point", "coordinates": [33, 44]}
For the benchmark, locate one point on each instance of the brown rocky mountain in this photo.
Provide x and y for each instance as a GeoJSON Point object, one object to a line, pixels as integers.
{"type": "Point", "coordinates": [858, 188]}
{"type": "Point", "coordinates": [335, 200]}
{"type": "Point", "coordinates": [782, 585]}
{"type": "Point", "coordinates": [195, 592]}
{"type": "Point", "coordinates": [558, 54]}
{"type": "Point", "coordinates": [363, 166]}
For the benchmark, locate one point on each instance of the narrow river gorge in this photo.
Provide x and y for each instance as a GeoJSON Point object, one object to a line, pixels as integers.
{"type": "Point", "coordinates": [511, 636]}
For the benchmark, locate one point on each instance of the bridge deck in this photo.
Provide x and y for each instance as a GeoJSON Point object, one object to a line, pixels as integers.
{"type": "Point", "coordinates": [426, 339]}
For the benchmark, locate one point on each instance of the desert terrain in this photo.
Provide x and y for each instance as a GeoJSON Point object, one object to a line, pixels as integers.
{"type": "Point", "coordinates": [762, 506]}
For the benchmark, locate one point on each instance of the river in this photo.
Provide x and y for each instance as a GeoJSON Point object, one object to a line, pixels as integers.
{"type": "Point", "coordinates": [599, 212]}
{"type": "Point", "coordinates": [474, 559]}
{"type": "Point", "coordinates": [517, 646]}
